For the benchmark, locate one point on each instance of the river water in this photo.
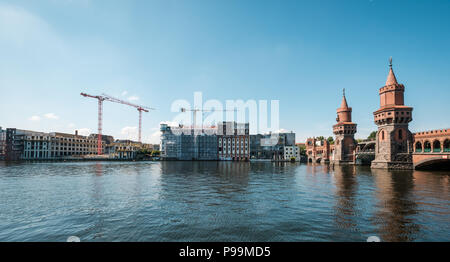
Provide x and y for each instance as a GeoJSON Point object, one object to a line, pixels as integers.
{"type": "Point", "coordinates": [220, 201]}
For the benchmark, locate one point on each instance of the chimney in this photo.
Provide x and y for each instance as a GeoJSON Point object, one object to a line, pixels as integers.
{"type": "Point", "coordinates": [76, 132]}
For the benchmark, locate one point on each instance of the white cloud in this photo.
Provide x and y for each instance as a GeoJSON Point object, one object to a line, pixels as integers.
{"type": "Point", "coordinates": [124, 93]}
{"type": "Point", "coordinates": [133, 98]}
{"type": "Point", "coordinates": [35, 118]}
{"type": "Point", "coordinates": [154, 138]}
{"type": "Point", "coordinates": [282, 130]}
{"type": "Point", "coordinates": [129, 132]}
{"type": "Point", "coordinates": [51, 116]}
{"type": "Point", "coordinates": [84, 131]}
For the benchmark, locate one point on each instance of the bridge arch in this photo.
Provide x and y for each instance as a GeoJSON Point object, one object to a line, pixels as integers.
{"type": "Point", "coordinates": [418, 147]}
{"type": "Point", "coordinates": [369, 147]}
{"type": "Point", "coordinates": [447, 145]}
{"type": "Point", "coordinates": [436, 146]}
{"type": "Point", "coordinates": [427, 146]}
{"type": "Point", "coordinates": [437, 162]}
{"type": "Point", "coordinates": [318, 160]}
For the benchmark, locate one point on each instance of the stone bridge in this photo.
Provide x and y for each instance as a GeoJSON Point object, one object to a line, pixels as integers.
{"type": "Point", "coordinates": [365, 152]}
{"type": "Point", "coordinates": [432, 149]}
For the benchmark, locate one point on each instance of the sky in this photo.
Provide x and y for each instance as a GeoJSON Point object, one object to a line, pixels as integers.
{"type": "Point", "coordinates": [302, 53]}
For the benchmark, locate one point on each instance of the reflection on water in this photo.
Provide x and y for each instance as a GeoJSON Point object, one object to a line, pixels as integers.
{"type": "Point", "coordinates": [220, 201]}
{"type": "Point", "coordinates": [346, 187]}
{"type": "Point", "coordinates": [396, 205]}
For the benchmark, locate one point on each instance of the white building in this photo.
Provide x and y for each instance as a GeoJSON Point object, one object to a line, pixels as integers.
{"type": "Point", "coordinates": [291, 152]}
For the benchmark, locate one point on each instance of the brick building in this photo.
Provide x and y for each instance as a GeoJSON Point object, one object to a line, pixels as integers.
{"type": "Point", "coordinates": [233, 141]}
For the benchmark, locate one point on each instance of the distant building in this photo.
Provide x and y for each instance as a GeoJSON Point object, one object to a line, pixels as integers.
{"type": "Point", "coordinates": [233, 141]}
{"type": "Point", "coordinates": [270, 146]}
{"type": "Point", "coordinates": [178, 143]}
{"type": "Point", "coordinates": [105, 138]}
{"type": "Point", "coordinates": [33, 145]}
{"type": "Point", "coordinates": [291, 152]}
{"type": "Point", "coordinates": [156, 147]}
{"type": "Point", "coordinates": [123, 149]}
{"type": "Point", "coordinates": [2, 143]}
{"type": "Point", "coordinates": [318, 151]}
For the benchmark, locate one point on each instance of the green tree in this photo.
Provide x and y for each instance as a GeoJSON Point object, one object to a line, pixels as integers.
{"type": "Point", "coordinates": [156, 153]}
{"type": "Point", "coordinates": [330, 140]}
{"type": "Point", "coordinates": [372, 135]}
{"type": "Point", "coordinates": [302, 149]}
{"type": "Point", "coordinates": [320, 138]}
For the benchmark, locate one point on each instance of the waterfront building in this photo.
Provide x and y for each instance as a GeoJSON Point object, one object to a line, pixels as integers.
{"type": "Point", "coordinates": [33, 145]}
{"type": "Point", "coordinates": [233, 141]}
{"type": "Point", "coordinates": [155, 147]}
{"type": "Point", "coordinates": [179, 143]}
{"type": "Point", "coordinates": [344, 130]}
{"type": "Point", "coordinates": [123, 149]}
{"type": "Point", "coordinates": [318, 151]}
{"type": "Point", "coordinates": [291, 152]}
{"type": "Point", "coordinates": [105, 138]}
{"type": "Point", "coordinates": [394, 141]}
{"type": "Point", "coordinates": [271, 146]}
{"type": "Point", "coordinates": [2, 143]}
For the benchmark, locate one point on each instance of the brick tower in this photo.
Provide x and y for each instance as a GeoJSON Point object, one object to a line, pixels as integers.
{"type": "Point", "coordinates": [344, 130]}
{"type": "Point", "coordinates": [393, 148]}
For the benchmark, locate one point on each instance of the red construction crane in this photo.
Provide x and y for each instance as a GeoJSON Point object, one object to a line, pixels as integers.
{"type": "Point", "coordinates": [100, 112]}
{"type": "Point", "coordinates": [139, 108]}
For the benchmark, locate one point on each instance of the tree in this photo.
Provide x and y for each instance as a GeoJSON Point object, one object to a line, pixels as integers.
{"type": "Point", "coordinates": [320, 138]}
{"type": "Point", "coordinates": [372, 135]}
{"type": "Point", "coordinates": [302, 149]}
{"type": "Point", "coordinates": [330, 140]}
{"type": "Point", "coordinates": [156, 153]}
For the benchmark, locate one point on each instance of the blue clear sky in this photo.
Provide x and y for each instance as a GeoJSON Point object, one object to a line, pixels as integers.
{"type": "Point", "coordinates": [300, 52]}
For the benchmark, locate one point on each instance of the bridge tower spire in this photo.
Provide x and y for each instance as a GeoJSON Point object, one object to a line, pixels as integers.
{"type": "Point", "coordinates": [394, 141]}
{"type": "Point", "coordinates": [344, 130]}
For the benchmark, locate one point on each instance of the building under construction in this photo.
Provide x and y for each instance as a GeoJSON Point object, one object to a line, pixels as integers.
{"type": "Point", "coordinates": [213, 143]}
{"type": "Point", "coordinates": [178, 143]}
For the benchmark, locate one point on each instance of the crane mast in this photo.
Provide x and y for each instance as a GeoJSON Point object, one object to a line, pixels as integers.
{"type": "Point", "coordinates": [139, 108]}
{"type": "Point", "coordinates": [106, 97]}
{"type": "Point", "coordinates": [100, 114]}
